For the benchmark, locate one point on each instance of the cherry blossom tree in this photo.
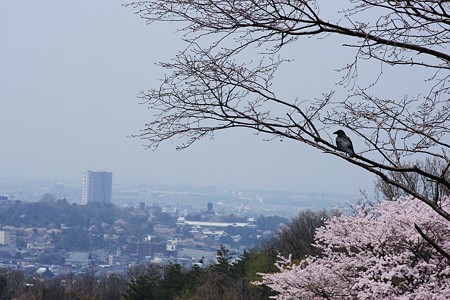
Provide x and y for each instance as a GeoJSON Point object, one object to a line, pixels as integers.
{"type": "Point", "coordinates": [373, 254]}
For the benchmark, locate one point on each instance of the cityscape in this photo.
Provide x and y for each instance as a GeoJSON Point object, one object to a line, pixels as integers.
{"type": "Point", "coordinates": [211, 150]}
{"type": "Point", "coordinates": [50, 228]}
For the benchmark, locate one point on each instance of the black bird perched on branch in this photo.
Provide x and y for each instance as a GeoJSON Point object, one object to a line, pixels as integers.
{"type": "Point", "coordinates": [344, 143]}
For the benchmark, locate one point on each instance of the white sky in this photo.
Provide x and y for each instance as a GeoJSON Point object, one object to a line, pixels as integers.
{"type": "Point", "coordinates": [70, 72]}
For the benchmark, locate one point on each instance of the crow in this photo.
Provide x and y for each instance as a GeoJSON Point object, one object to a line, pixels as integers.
{"type": "Point", "coordinates": [344, 143]}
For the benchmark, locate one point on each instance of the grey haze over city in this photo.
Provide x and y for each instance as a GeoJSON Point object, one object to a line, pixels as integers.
{"type": "Point", "coordinates": [69, 79]}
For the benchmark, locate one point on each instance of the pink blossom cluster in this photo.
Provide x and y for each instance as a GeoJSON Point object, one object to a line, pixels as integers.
{"type": "Point", "coordinates": [376, 254]}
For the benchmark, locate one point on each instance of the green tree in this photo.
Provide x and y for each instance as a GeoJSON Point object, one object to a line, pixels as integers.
{"type": "Point", "coordinates": [296, 238]}
{"type": "Point", "coordinates": [174, 282]}
{"type": "Point", "coordinates": [144, 287]}
{"type": "Point", "coordinates": [248, 267]}
{"type": "Point", "coordinates": [223, 257]}
{"type": "Point", "coordinates": [3, 284]}
{"type": "Point", "coordinates": [160, 283]}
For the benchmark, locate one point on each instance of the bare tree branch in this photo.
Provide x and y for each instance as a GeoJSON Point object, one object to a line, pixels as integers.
{"type": "Point", "coordinates": [213, 86]}
{"type": "Point", "coordinates": [432, 243]}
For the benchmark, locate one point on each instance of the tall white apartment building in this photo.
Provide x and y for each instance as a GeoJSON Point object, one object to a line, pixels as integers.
{"type": "Point", "coordinates": [8, 238]}
{"type": "Point", "coordinates": [97, 187]}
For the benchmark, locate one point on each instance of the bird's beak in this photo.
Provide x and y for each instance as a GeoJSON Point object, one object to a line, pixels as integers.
{"type": "Point", "coordinates": [335, 132]}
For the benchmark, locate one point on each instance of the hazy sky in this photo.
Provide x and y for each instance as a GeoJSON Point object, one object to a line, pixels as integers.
{"type": "Point", "coordinates": [70, 72]}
